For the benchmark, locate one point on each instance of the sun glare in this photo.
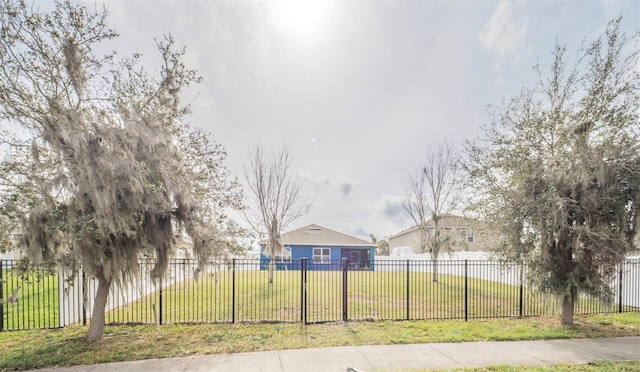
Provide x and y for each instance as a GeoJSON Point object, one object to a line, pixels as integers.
{"type": "Point", "coordinates": [301, 20]}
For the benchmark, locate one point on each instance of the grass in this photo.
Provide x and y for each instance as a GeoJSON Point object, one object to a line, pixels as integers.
{"type": "Point", "coordinates": [380, 295]}
{"type": "Point", "coordinates": [21, 350]}
{"type": "Point", "coordinates": [208, 298]}
{"type": "Point", "coordinates": [225, 296]}
{"type": "Point", "coordinates": [29, 302]}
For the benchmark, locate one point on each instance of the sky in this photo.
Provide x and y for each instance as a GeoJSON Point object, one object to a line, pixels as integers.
{"type": "Point", "coordinates": [357, 90]}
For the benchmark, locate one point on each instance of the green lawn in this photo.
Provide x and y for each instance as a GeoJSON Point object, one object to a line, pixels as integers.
{"type": "Point", "coordinates": [63, 347]}
{"type": "Point", "coordinates": [246, 296]}
{"type": "Point", "coordinates": [29, 302]}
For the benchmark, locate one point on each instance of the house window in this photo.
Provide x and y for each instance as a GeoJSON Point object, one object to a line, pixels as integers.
{"type": "Point", "coordinates": [321, 255]}
{"type": "Point", "coordinates": [466, 235]}
{"type": "Point", "coordinates": [285, 255]}
{"type": "Point", "coordinates": [463, 235]}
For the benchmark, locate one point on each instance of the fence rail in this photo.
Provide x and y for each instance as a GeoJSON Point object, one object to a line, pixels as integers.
{"type": "Point", "coordinates": [242, 290]}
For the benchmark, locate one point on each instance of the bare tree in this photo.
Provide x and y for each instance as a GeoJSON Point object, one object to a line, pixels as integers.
{"type": "Point", "coordinates": [105, 169]}
{"type": "Point", "coordinates": [430, 194]}
{"type": "Point", "coordinates": [275, 197]}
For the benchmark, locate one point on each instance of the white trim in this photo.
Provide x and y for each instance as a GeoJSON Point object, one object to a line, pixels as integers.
{"type": "Point", "coordinates": [322, 259]}
{"type": "Point", "coordinates": [333, 245]}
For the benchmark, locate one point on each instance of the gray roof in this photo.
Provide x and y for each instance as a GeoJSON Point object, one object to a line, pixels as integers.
{"type": "Point", "coordinates": [319, 235]}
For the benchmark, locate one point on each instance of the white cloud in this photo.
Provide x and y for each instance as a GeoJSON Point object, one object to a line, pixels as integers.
{"type": "Point", "coordinates": [503, 33]}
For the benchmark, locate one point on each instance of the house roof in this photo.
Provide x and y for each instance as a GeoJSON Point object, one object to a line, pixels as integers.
{"type": "Point", "coordinates": [319, 235]}
{"type": "Point", "coordinates": [447, 221]}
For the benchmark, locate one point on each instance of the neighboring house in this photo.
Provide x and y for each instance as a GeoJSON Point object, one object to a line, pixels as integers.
{"type": "Point", "coordinates": [325, 249]}
{"type": "Point", "coordinates": [465, 234]}
{"type": "Point", "coordinates": [182, 243]}
{"type": "Point", "coordinates": [15, 254]}
{"type": "Point", "coordinates": [11, 246]}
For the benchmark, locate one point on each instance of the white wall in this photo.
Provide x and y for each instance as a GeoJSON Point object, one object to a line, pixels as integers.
{"type": "Point", "coordinates": [481, 266]}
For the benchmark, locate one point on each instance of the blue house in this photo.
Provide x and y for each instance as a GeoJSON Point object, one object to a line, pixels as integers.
{"type": "Point", "coordinates": [324, 249]}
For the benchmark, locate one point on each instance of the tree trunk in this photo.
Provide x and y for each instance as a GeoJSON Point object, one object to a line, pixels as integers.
{"type": "Point", "coordinates": [271, 267]}
{"type": "Point", "coordinates": [568, 307]}
{"type": "Point", "coordinates": [434, 270]}
{"type": "Point", "coordinates": [435, 247]}
{"type": "Point", "coordinates": [96, 327]}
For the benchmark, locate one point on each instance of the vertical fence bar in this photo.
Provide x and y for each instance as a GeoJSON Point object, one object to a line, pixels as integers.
{"type": "Point", "coordinates": [521, 289]}
{"type": "Point", "coordinates": [303, 292]}
{"type": "Point", "coordinates": [84, 298]}
{"type": "Point", "coordinates": [160, 301]}
{"type": "Point", "coordinates": [233, 290]}
{"type": "Point", "coordinates": [65, 302]}
{"type": "Point", "coordinates": [620, 287]}
{"type": "Point", "coordinates": [633, 276]}
{"type": "Point", "coordinates": [20, 304]}
{"type": "Point", "coordinates": [344, 290]}
{"type": "Point", "coordinates": [46, 283]}
{"type": "Point", "coordinates": [183, 284]}
{"type": "Point", "coordinates": [407, 290]}
{"type": "Point", "coordinates": [466, 292]}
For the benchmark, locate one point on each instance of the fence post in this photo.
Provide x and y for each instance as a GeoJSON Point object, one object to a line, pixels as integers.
{"type": "Point", "coordinates": [83, 299]}
{"type": "Point", "coordinates": [233, 290]}
{"type": "Point", "coordinates": [1, 297]}
{"type": "Point", "coordinates": [466, 293]}
{"type": "Point", "coordinates": [303, 292]}
{"type": "Point", "coordinates": [344, 290]}
{"type": "Point", "coordinates": [160, 302]}
{"type": "Point", "coordinates": [407, 289]}
{"type": "Point", "coordinates": [521, 289]}
{"type": "Point", "coordinates": [620, 288]}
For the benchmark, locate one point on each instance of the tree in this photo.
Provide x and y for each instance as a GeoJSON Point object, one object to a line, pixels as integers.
{"type": "Point", "coordinates": [558, 169]}
{"type": "Point", "coordinates": [104, 169]}
{"type": "Point", "coordinates": [430, 194]}
{"type": "Point", "coordinates": [382, 245]}
{"type": "Point", "coordinates": [275, 197]}
{"type": "Point", "coordinates": [11, 202]}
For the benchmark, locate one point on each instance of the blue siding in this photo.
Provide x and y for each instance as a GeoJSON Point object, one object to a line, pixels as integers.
{"type": "Point", "coordinates": [306, 251]}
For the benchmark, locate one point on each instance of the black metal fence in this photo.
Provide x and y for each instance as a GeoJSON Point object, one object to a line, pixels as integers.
{"type": "Point", "coordinates": [240, 291]}
{"type": "Point", "coordinates": [28, 300]}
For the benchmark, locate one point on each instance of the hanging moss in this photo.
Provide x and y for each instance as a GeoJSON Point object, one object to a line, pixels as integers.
{"type": "Point", "coordinates": [111, 163]}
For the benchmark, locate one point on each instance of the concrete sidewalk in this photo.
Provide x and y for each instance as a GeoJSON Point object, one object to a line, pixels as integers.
{"type": "Point", "coordinates": [393, 357]}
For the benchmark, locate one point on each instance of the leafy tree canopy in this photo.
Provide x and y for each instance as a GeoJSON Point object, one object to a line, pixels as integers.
{"type": "Point", "coordinates": [559, 168]}
{"type": "Point", "coordinates": [100, 167]}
